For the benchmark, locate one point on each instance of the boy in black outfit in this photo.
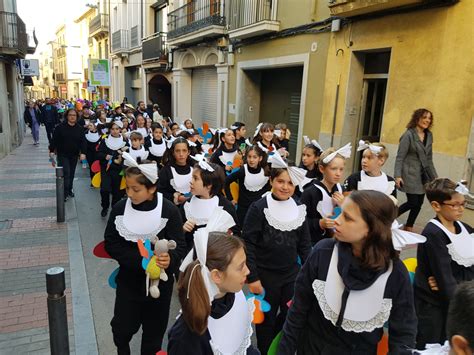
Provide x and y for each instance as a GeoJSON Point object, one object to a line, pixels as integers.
{"type": "Point", "coordinates": [447, 255]}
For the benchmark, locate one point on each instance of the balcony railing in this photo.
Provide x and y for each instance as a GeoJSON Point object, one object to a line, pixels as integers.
{"type": "Point", "coordinates": [60, 52]}
{"type": "Point", "coordinates": [350, 8]}
{"type": "Point", "coordinates": [243, 13]}
{"type": "Point", "coordinates": [154, 47]}
{"type": "Point", "coordinates": [195, 15]}
{"type": "Point", "coordinates": [120, 41]}
{"type": "Point", "coordinates": [99, 25]}
{"type": "Point", "coordinates": [134, 36]}
{"type": "Point", "coordinates": [59, 77]}
{"type": "Point", "coordinates": [13, 37]}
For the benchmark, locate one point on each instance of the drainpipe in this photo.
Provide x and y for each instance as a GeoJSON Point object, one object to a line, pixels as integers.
{"type": "Point", "coordinates": [335, 111]}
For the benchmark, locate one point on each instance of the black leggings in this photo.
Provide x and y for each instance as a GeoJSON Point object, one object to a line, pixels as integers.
{"type": "Point", "coordinates": [413, 204]}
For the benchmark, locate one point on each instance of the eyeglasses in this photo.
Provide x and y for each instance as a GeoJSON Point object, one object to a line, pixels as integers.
{"type": "Point", "coordinates": [455, 206]}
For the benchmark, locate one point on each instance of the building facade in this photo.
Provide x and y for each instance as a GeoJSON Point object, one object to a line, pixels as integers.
{"type": "Point", "coordinates": [387, 61]}
{"type": "Point", "coordinates": [14, 45]}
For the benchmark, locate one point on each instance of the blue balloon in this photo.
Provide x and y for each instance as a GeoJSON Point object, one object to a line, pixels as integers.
{"type": "Point", "coordinates": [112, 278]}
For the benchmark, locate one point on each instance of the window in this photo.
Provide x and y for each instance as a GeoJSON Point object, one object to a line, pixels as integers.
{"type": "Point", "coordinates": [158, 20]}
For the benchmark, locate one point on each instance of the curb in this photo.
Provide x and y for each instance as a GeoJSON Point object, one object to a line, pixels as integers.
{"type": "Point", "coordinates": [85, 341]}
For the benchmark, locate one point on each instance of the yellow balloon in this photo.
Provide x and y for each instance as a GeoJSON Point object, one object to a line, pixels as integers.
{"type": "Point", "coordinates": [96, 180]}
{"type": "Point", "coordinates": [153, 269]}
{"type": "Point", "coordinates": [411, 264]}
{"type": "Point", "coordinates": [234, 188]}
{"type": "Point", "coordinates": [123, 183]}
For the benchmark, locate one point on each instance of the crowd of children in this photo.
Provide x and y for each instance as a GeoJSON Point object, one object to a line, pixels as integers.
{"type": "Point", "coordinates": [318, 246]}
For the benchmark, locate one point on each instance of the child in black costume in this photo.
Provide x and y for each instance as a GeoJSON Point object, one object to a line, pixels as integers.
{"type": "Point", "coordinates": [155, 144]}
{"type": "Point", "coordinates": [448, 256]}
{"type": "Point", "coordinates": [351, 285]}
{"type": "Point", "coordinates": [275, 232]}
{"type": "Point", "coordinates": [144, 215]}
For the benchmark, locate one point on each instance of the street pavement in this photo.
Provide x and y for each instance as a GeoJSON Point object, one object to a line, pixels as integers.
{"type": "Point", "coordinates": [31, 241]}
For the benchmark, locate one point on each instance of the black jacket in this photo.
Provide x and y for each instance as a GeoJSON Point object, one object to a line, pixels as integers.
{"type": "Point", "coordinates": [269, 248]}
{"type": "Point", "coordinates": [68, 140]}
{"type": "Point", "coordinates": [131, 275]}
{"type": "Point", "coordinates": [307, 330]}
{"type": "Point", "coordinates": [29, 120]}
{"type": "Point", "coordinates": [50, 114]}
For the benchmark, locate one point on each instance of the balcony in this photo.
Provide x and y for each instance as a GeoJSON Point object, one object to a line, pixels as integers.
{"type": "Point", "coordinates": [134, 37]}
{"type": "Point", "coordinates": [60, 77]}
{"type": "Point", "coordinates": [350, 8]}
{"type": "Point", "coordinates": [154, 48]}
{"type": "Point", "coordinates": [13, 37]}
{"type": "Point", "coordinates": [249, 18]}
{"type": "Point", "coordinates": [120, 42]}
{"type": "Point", "coordinates": [99, 26]}
{"type": "Point", "coordinates": [196, 20]}
{"type": "Point", "coordinates": [61, 52]}
{"type": "Point", "coordinates": [31, 43]}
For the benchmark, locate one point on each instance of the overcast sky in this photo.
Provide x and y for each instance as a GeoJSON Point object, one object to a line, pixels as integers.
{"type": "Point", "coordinates": [47, 15]}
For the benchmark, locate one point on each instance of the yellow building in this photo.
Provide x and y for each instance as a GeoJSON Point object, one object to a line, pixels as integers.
{"type": "Point", "coordinates": [383, 65]}
{"type": "Point", "coordinates": [277, 67]}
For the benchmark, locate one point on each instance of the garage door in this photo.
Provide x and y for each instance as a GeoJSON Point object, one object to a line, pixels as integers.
{"type": "Point", "coordinates": [204, 97]}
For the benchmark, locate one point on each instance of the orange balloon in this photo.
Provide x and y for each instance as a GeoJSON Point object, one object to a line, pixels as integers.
{"type": "Point", "coordinates": [382, 347]}
{"type": "Point", "coordinates": [205, 128]}
{"type": "Point", "coordinates": [258, 315]}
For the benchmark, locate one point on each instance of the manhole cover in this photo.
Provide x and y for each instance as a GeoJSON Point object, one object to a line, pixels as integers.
{"type": "Point", "coordinates": [5, 224]}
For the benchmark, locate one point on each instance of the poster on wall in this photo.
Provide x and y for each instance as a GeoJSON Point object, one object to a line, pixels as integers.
{"type": "Point", "coordinates": [99, 72]}
{"type": "Point", "coordinates": [29, 67]}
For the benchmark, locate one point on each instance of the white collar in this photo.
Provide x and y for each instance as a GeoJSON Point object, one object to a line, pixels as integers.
{"type": "Point", "coordinates": [325, 207]}
{"type": "Point", "coordinates": [181, 183]}
{"type": "Point", "coordinates": [461, 247]}
{"type": "Point", "coordinates": [377, 183]}
{"type": "Point", "coordinates": [92, 137]}
{"type": "Point", "coordinates": [254, 182]}
{"type": "Point", "coordinates": [114, 143]}
{"type": "Point", "coordinates": [134, 225]}
{"type": "Point", "coordinates": [284, 215]}
{"type": "Point", "coordinates": [200, 210]}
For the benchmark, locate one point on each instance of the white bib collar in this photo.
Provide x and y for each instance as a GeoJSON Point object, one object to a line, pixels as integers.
{"type": "Point", "coordinates": [254, 182]}
{"type": "Point", "coordinates": [181, 183]}
{"type": "Point", "coordinates": [143, 225]}
{"type": "Point", "coordinates": [377, 183]}
{"type": "Point", "coordinates": [461, 247]}
{"type": "Point", "coordinates": [157, 149]}
{"type": "Point", "coordinates": [143, 131]}
{"type": "Point", "coordinates": [325, 207]}
{"type": "Point", "coordinates": [284, 215]}
{"type": "Point", "coordinates": [227, 157]}
{"type": "Point", "coordinates": [92, 137]}
{"type": "Point", "coordinates": [114, 143]}
{"type": "Point", "coordinates": [231, 334]}
{"type": "Point", "coordinates": [265, 149]}
{"type": "Point", "coordinates": [138, 153]}
{"type": "Point", "coordinates": [200, 210]}
{"type": "Point", "coordinates": [366, 310]}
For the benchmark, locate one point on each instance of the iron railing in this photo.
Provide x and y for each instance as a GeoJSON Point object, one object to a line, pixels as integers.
{"type": "Point", "coordinates": [13, 37]}
{"type": "Point", "coordinates": [154, 46]}
{"type": "Point", "coordinates": [59, 77]}
{"type": "Point", "coordinates": [195, 15]}
{"type": "Point", "coordinates": [99, 24]}
{"type": "Point", "coordinates": [120, 41]}
{"type": "Point", "coordinates": [241, 13]}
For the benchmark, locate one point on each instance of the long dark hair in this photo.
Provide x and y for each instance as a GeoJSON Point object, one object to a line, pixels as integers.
{"type": "Point", "coordinates": [264, 128]}
{"type": "Point", "coordinates": [168, 157]}
{"type": "Point", "coordinates": [379, 212]}
{"type": "Point", "coordinates": [193, 296]}
{"type": "Point", "coordinates": [417, 115]}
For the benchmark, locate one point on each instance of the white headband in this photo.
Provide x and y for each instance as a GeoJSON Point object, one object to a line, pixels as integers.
{"type": "Point", "coordinates": [373, 148]}
{"type": "Point", "coordinates": [203, 164]}
{"type": "Point", "coordinates": [233, 127]}
{"type": "Point", "coordinates": [118, 123]}
{"type": "Point", "coordinates": [297, 175]}
{"type": "Point", "coordinates": [462, 189]}
{"type": "Point", "coordinates": [149, 170]}
{"type": "Point", "coordinates": [313, 142]}
{"type": "Point", "coordinates": [277, 132]}
{"type": "Point", "coordinates": [247, 141]}
{"type": "Point", "coordinates": [401, 238]}
{"type": "Point", "coordinates": [344, 151]}
{"type": "Point", "coordinates": [257, 129]}
{"type": "Point", "coordinates": [220, 221]}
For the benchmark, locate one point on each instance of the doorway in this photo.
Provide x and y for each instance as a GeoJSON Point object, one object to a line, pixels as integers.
{"type": "Point", "coordinates": [159, 92]}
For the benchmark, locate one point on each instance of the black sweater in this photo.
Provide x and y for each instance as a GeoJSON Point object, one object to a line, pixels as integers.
{"type": "Point", "coordinates": [147, 146]}
{"type": "Point", "coordinates": [131, 275]}
{"type": "Point", "coordinates": [246, 197]}
{"type": "Point", "coordinates": [215, 157]}
{"type": "Point", "coordinates": [434, 260]}
{"type": "Point", "coordinates": [164, 177]}
{"type": "Point", "coordinates": [68, 140]}
{"type": "Point", "coordinates": [311, 196]}
{"type": "Point", "coordinates": [183, 341]}
{"type": "Point", "coordinates": [308, 331]}
{"type": "Point", "coordinates": [269, 248]}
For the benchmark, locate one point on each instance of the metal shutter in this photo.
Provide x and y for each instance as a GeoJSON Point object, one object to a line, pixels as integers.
{"type": "Point", "coordinates": [204, 97]}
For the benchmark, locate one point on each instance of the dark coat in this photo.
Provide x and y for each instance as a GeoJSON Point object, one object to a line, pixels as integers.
{"type": "Point", "coordinates": [412, 155]}
{"type": "Point", "coordinates": [29, 120]}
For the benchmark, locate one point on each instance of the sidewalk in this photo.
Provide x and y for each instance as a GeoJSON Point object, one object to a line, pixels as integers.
{"type": "Point", "coordinates": [30, 243]}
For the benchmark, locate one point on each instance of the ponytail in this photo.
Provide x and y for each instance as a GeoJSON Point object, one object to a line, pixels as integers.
{"type": "Point", "coordinates": [192, 293]}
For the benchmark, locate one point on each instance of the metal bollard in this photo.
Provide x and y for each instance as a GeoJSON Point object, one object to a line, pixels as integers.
{"type": "Point", "coordinates": [60, 217]}
{"type": "Point", "coordinates": [57, 314]}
